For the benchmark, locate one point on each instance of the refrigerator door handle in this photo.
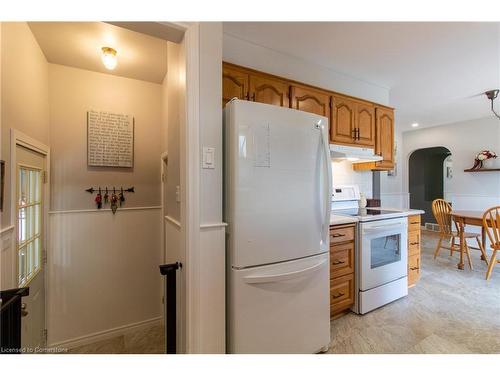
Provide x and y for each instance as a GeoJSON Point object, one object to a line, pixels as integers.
{"type": "Point", "coordinates": [261, 279]}
{"type": "Point", "coordinates": [327, 184]}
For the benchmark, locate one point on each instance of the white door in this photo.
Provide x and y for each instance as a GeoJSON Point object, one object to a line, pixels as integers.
{"type": "Point", "coordinates": [277, 183]}
{"type": "Point", "coordinates": [384, 252]}
{"type": "Point", "coordinates": [30, 244]}
{"type": "Point", "coordinates": [280, 308]}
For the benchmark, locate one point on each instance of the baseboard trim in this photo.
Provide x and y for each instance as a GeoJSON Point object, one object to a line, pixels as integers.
{"type": "Point", "coordinates": [6, 229]}
{"type": "Point", "coordinates": [213, 225]}
{"type": "Point", "coordinates": [171, 220]}
{"type": "Point", "coordinates": [106, 334]}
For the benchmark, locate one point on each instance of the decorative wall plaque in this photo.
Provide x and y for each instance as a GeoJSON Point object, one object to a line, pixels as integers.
{"type": "Point", "coordinates": [110, 140]}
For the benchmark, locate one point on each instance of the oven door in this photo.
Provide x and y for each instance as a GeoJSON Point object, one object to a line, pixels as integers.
{"type": "Point", "coordinates": [384, 252]}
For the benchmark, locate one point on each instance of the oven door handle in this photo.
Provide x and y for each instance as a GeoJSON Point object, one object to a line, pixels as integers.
{"type": "Point", "coordinates": [383, 228]}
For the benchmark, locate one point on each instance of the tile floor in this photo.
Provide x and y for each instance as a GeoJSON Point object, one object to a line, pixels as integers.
{"type": "Point", "coordinates": [448, 311]}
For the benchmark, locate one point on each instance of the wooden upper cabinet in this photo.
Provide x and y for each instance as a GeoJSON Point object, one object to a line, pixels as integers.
{"type": "Point", "coordinates": [343, 120]}
{"type": "Point", "coordinates": [310, 100]}
{"type": "Point", "coordinates": [365, 124]}
{"type": "Point", "coordinates": [385, 137]}
{"type": "Point", "coordinates": [264, 89]}
{"type": "Point", "coordinates": [234, 84]}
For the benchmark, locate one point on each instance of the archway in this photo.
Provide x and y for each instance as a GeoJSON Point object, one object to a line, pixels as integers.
{"type": "Point", "coordinates": [429, 174]}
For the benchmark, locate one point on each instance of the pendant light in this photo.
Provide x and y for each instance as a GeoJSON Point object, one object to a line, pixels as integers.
{"type": "Point", "coordinates": [492, 95]}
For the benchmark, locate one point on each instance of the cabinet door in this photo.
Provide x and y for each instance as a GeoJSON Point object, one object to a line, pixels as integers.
{"type": "Point", "coordinates": [365, 123]}
{"type": "Point", "coordinates": [385, 137]}
{"type": "Point", "coordinates": [267, 90]}
{"type": "Point", "coordinates": [343, 117]}
{"type": "Point", "coordinates": [234, 84]}
{"type": "Point", "coordinates": [310, 100]}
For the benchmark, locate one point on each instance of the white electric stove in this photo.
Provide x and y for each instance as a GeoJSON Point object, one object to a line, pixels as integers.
{"type": "Point", "coordinates": [381, 250]}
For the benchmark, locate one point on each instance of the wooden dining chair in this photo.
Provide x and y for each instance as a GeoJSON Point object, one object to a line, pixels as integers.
{"type": "Point", "coordinates": [441, 210]}
{"type": "Point", "coordinates": [491, 225]}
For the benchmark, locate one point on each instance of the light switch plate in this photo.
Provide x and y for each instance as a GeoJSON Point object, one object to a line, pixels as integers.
{"type": "Point", "coordinates": [208, 158]}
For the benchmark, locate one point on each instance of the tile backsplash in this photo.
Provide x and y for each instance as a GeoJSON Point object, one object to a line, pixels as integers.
{"type": "Point", "coordinates": [342, 174]}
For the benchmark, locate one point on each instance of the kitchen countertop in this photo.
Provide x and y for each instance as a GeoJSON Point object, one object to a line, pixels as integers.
{"type": "Point", "coordinates": [408, 211]}
{"type": "Point", "coordinates": [341, 219]}
{"type": "Point", "coordinates": [336, 219]}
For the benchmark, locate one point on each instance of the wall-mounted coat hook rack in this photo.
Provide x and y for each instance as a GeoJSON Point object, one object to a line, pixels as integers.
{"type": "Point", "coordinates": [93, 190]}
{"type": "Point", "coordinates": [113, 196]}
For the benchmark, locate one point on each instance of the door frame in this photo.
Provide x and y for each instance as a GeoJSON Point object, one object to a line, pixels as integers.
{"type": "Point", "coordinates": [190, 181]}
{"type": "Point", "coordinates": [18, 138]}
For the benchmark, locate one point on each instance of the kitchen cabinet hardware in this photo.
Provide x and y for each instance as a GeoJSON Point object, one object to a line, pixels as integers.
{"type": "Point", "coordinates": [336, 235]}
{"type": "Point", "coordinates": [414, 268]}
{"type": "Point", "coordinates": [340, 294]}
{"type": "Point", "coordinates": [336, 262]}
{"type": "Point", "coordinates": [414, 243]}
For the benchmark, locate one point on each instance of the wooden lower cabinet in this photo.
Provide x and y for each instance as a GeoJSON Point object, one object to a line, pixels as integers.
{"type": "Point", "coordinates": [342, 270]}
{"type": "Point", "coordinates": [414, 245]}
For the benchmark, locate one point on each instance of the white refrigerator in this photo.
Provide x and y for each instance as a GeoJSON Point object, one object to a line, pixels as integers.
{"type": "Point", "coordinates": [277, 178]}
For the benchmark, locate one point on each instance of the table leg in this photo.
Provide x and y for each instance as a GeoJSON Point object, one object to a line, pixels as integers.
{"type": "Point", "coordinates": [483, 240]}
{"type": "Point", "coordinates": [460, 264]}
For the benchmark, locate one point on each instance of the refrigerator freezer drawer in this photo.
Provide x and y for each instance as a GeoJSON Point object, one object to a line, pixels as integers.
{"type": "Point", "coordinates": [280, 308]}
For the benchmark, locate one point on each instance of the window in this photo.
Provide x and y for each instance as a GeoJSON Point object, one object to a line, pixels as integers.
{"type": "Point", "coordinates": [29, 223]}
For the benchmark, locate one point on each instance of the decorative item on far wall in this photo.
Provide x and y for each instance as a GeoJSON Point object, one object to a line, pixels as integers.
{"type": "Point", "coordinates": [2, 182]}
{"type": "Point", "coordinates": [110, 140]}
{"type": "Point", "coordinates": [115, 198]}
{"type": "Point", "coordinates": [481, 158]}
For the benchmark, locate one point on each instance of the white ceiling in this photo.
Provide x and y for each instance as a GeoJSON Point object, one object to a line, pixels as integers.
{"type": "Point", "coordinates": [78, 44]}
{"type": "Point", "coordinates": [430, 69]}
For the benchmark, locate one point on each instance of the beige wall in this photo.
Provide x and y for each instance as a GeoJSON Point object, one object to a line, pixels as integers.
{"type": "Point", "coordinates": [25, 93]}
{"type": "Point", "coordinates": [72, 93]}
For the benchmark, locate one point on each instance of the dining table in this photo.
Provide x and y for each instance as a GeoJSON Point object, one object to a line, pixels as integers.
{"type": "Point", "coordinates": [463, 218]}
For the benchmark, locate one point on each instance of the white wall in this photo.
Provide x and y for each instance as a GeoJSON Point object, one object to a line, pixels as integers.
{"type": "Point", "coordinates": [471, 191]}
{"type": "Point", "coordinates": [342, 174]}
{"type": "Point", "coordinates": [103, 273]}
{"type": "Point", "coordinates": [254, 56]}
{"type": "Point", "coordinates": [173, 99]}
{"type": "Point", "coordinates": [448, 180]}
{"type": "Point", "coordinates": [212, 262]}
{"type": "Point", "coordinates": [391, 187]}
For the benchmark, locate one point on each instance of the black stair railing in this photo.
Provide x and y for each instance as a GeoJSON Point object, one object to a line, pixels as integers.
{"type": "Point", "coordinates": [10, 319]}
{"type": "Point", "coordinates": [170, 273]}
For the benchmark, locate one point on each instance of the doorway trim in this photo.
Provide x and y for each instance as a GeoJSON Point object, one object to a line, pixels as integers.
{"type": "Point", "coordinates": [18, 138]}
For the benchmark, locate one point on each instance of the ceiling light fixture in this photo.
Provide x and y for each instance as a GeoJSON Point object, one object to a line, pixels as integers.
{"type": "Point", "coordinates": [109, 57]}
{"type": "Point", "coordinates": [492, 95]}
{"type": "Point", "coordinates": [415, 125]}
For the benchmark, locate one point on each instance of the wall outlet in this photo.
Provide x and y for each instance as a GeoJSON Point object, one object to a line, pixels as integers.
{"type": "Point", "coordinates": [177, 193]}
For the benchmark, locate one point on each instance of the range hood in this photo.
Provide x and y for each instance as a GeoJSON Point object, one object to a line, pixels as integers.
{"type": "Point", "coordinates": [353, 154]}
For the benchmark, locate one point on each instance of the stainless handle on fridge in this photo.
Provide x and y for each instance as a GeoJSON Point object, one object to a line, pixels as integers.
{"type": "Point", "coordinates": [261, 279]}
{"type": "Point", "coordinates": [327, 182]}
